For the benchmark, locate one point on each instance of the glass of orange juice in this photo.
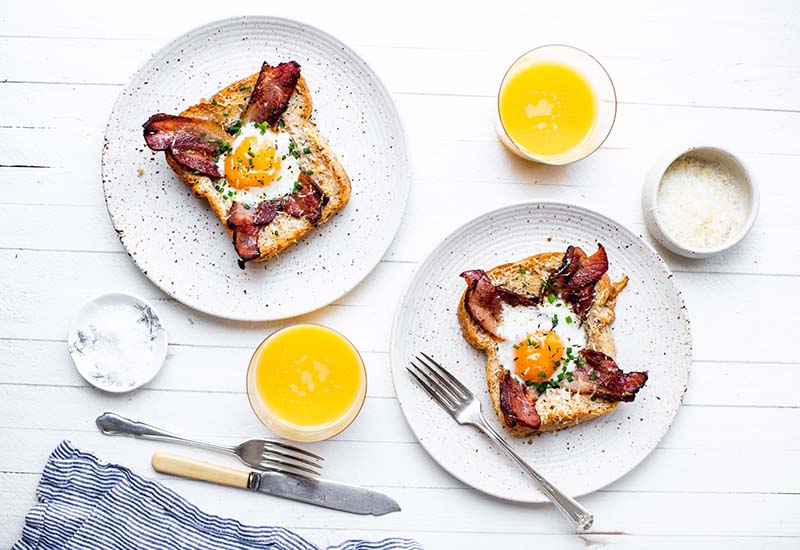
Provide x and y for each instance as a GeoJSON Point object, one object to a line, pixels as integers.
{"type": "Point", "coordinates": [556, 105]}
{"type": "Point", "coordinates": [306, 382]}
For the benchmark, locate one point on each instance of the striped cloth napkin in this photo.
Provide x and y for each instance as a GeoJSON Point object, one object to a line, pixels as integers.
{"type": "Point", "coordinates": [85, 504]}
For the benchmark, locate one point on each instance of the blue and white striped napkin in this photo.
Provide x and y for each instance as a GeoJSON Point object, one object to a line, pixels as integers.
{"type": "Point", "coordinates": [85, 504]}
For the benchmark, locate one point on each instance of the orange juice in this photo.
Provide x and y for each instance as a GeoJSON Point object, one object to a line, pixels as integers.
{"type": "Point", "coordinates": [547, 108]}
{"type": "Point", "coordinates": [306, 382]}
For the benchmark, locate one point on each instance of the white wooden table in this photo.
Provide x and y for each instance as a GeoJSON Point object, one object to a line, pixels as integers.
{"type": "Point", "coordinates": [725, 476]}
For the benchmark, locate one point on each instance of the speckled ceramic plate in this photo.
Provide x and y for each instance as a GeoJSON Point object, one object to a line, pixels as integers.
{"type": "Point", "coordinates": [651, 333]}
{"type": "Point", "coordinates": [176, 239]}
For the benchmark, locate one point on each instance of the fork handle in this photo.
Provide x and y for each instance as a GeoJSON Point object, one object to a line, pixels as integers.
{"type": "Point", "coordinates": [114, 424]}
{"type": "Point", "coordinates": [571, 508]}
{"type": "Point", "coordinates": [175, 465]}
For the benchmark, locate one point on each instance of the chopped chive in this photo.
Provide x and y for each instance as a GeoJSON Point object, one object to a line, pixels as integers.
{"type": "Point", "coordinates": [551, 297]}
{"type": "Point", "coordinates": [244, 88]}
{"type": "Point", "coordinates": [523, 271]}
{"type": "Point", "coordinates": [306, 150]}
{"type": "Point", "coordinates": [542, 375]}
{"type": "Point", "coordinates": [568, 320]}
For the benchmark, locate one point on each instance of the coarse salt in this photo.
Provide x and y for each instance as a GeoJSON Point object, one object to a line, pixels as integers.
{"type": "Point", "coordinates": [701, 203]}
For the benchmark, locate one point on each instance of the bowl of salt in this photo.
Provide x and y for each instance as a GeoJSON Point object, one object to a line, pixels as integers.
{"type": "Point", "coordinates": [117, 342]}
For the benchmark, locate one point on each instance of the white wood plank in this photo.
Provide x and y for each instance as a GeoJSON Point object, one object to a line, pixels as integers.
{"type": "Point", "coordinates": [457, 118]}
{"type": "Point", "coordinates": [430, 509]}
{"type": "Point", "coordinates": [698, 81]}
{"type": "Point", "coordinates": [30, 407]}
{"type": "Point", "coordinates": [734, 34]}
{"type": "Point", "coordinates": [479, 541]}
{"type": "Point", "coordinates": [722, 320]}
{"type": "Point", "coordinates": [406, 464]}
{"type": "Point", "coordinates": [218, 369]}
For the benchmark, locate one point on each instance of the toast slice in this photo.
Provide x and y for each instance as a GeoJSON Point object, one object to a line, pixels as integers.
{"type": "Point", "coordinates": [558, 407]}
{"type": "Point", "coordinates": [226, 109]}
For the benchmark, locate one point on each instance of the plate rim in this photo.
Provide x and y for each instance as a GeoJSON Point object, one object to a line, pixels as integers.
{"type": "Point", "coordinates": [397, 369]}
{"type": "Point", "coordinates": [405, 160]}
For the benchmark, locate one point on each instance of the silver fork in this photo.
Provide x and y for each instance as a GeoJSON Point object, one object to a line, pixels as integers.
{"type": "Point", "coordinates": [465, 408]}
{"type": "Point", "coordinates": [263, 454]}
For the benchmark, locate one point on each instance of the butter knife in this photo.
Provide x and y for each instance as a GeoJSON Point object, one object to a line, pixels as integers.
{"type": "Point", "coordinates": [328, 494]}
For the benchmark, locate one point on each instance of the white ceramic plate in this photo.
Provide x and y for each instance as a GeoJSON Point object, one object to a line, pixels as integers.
{"type": "Point", "coordinates": [651, 332]}
{"type": "Point", "coordinates": [178, 242]}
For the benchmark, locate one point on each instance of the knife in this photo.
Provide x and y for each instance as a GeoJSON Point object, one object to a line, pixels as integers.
{"type": "Point", "coordinates": [329, 494]}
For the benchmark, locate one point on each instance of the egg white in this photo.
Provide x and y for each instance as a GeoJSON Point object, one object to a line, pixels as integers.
{"type": "Point", "coordinates": [518, 322]}
{"type": "Point", "coordinates": [286, 177]}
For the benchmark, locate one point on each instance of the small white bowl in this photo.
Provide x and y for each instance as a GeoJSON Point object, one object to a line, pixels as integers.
{"type": "Point", "coordinates": [117, 342]}
{"type": "Point", "coordinates": [709, 154]}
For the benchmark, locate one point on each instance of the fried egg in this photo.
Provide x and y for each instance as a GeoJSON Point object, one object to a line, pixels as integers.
{"type": "Point", "coordinates": [260, 164]}
{"type": "Point", "coordinates": [540, 341]}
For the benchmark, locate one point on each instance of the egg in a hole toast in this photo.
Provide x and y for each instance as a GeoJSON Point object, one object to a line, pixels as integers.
{"type": "Point", "coordinates": [544, 323]}
{"type": "Point", "coordinates": [253, 153]}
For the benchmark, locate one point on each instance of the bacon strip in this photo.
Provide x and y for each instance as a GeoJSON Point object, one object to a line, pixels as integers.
{"type": "Point", "coordinates": [246, 221]}
{"type": "Point", "coordinates": [246, 224]}
{"type": "Point", "coordinates": [483, 300]}
{"type": "Point", "coordinates": [517, 404]}
{"type": "Point", "coordinates": [599, 375]}
{"type": "Point", "coordinates": [193, 142]}
{"type": "Point", "coordinates": [574, 280]}
{"type": "Point", "coordinates": [271, 93]}
{"type": "Point", "coordinates": [307, 201]}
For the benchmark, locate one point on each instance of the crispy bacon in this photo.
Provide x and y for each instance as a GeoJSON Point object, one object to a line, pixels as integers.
{"type": "Point", "coordinates": [574, 280]}
{"type": "Point", "coordinates": [518, 404]}
{"type": "Point", "coordinates": [483, 300]}
{"type": "Point", "coordinates": [271, 92]}
{"type": "Point", "coordinates": [307, 201]}
{"type": "Point", "coordinates": [193, 142]}
{"type": "Point", "coordinates": [599, 375]}
{"type": "Point", "coordinates": [246, 222]}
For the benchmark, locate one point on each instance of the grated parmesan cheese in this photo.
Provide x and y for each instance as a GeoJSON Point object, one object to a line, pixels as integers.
{"type": "Point", "coordinates": [700, 204]}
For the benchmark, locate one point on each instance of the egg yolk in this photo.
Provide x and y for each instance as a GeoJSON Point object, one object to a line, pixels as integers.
{"type": "Point", "coordinates": [254, 163]}
{"type": "Point", "coordinates": [535, 357]}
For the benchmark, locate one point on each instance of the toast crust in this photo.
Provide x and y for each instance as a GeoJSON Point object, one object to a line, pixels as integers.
{"type": "Point", "coordinates": [225, 108]}
{"type": "Point", "coordinates": [558, 408]}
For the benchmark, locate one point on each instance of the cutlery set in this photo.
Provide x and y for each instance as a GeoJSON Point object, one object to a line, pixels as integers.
{"type": "Point", "coordinates": [285, 471]}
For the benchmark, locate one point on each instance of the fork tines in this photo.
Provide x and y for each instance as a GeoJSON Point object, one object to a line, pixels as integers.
{"type": "Point", "coordinates": [280, 457]}
{"type": "Point", "coordinates": [442, 386]}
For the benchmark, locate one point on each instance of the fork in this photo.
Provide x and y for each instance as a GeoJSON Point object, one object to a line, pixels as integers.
{"type": "Point", "coordinates": [264, 454]}
{"type": "Point", "coordinates": [465, 408]}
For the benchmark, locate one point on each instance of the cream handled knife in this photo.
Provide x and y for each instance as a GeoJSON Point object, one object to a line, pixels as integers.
{"type": "Point", "coordinates": [329, 494]}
